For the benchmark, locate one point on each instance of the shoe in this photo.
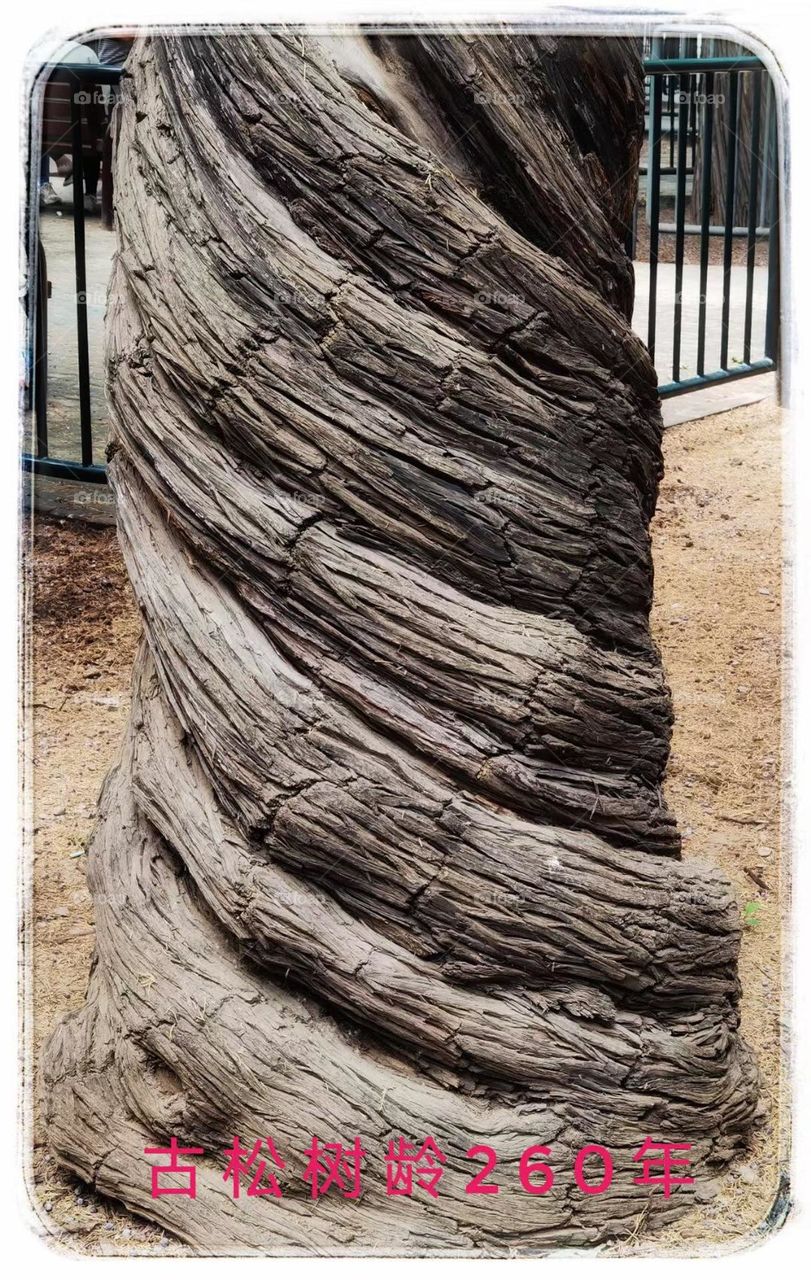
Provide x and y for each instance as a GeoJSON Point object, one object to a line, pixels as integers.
{"type": "Point", "coordinates": [47, 196]}
{"type": "Point", "coordinates": [91, 204]}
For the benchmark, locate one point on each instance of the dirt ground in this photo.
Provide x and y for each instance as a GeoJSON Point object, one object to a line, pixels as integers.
{"type": "Point", "coordinates": [719, 556]}
{"type": "Point", "coordinates": [692, 245]}
{"type": "Point", "coordinates": [717, 617]}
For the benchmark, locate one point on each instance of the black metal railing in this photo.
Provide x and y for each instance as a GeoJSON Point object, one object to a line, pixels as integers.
{"type": "Point", "coordinates": [698, 138]}
{"type": "Point", "coordinates": [726, 161]}
{"type": "Point", "coordinates": [83, 82]}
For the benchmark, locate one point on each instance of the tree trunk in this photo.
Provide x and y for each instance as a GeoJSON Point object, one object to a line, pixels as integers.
{"type": "Point", "coordinates": [386, 851]}
{"type": "Point", "coordinates": [749, 144]}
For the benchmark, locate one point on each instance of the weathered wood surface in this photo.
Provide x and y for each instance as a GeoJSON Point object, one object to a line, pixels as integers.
{"type": "Point", "coordinates": [749, 145]}
{"type": "Point", "coordinates": [386, 851]}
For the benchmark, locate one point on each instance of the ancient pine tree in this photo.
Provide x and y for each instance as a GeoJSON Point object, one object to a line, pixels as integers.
{"type": "Point", "coordinates": [386, 851]}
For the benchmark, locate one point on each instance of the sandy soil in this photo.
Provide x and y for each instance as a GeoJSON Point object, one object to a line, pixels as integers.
{"type": "Point", "coordinates": [692, 245]}
{"type": "Point", "coordinates": [717, 617]}
{"type": "Point", "coordinates": [85, 633]}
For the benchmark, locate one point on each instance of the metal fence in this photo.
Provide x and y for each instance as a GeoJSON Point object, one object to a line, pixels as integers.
{"type": "Point", "coordinates": [708, 177]}
{"type": "Point", "coordinates": [65, 129]}
{"type": "Point", "coordinates": [716, 117]}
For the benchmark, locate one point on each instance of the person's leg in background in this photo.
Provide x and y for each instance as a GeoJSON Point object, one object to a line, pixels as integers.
{"type": "Point", "coordinates": [92, 168]}
{"type": "Point", "coordinates": [47, 196]}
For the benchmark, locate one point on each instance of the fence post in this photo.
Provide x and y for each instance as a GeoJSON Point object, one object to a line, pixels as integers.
{"type": "Point", "coordinates": [85, 424]}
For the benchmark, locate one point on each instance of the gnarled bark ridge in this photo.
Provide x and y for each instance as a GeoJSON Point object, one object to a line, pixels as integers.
{"type": "Point", "coordinates": [386, 852]}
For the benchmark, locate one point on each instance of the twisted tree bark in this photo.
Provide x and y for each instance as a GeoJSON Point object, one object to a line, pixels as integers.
{"type": "Point", "coordinates": [386, 851]}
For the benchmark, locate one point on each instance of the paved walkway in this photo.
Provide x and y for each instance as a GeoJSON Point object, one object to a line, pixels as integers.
{"type": "Point", "coordinates": [665, 295]}
{"type": "Point", "coordinates": [56, 231]}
